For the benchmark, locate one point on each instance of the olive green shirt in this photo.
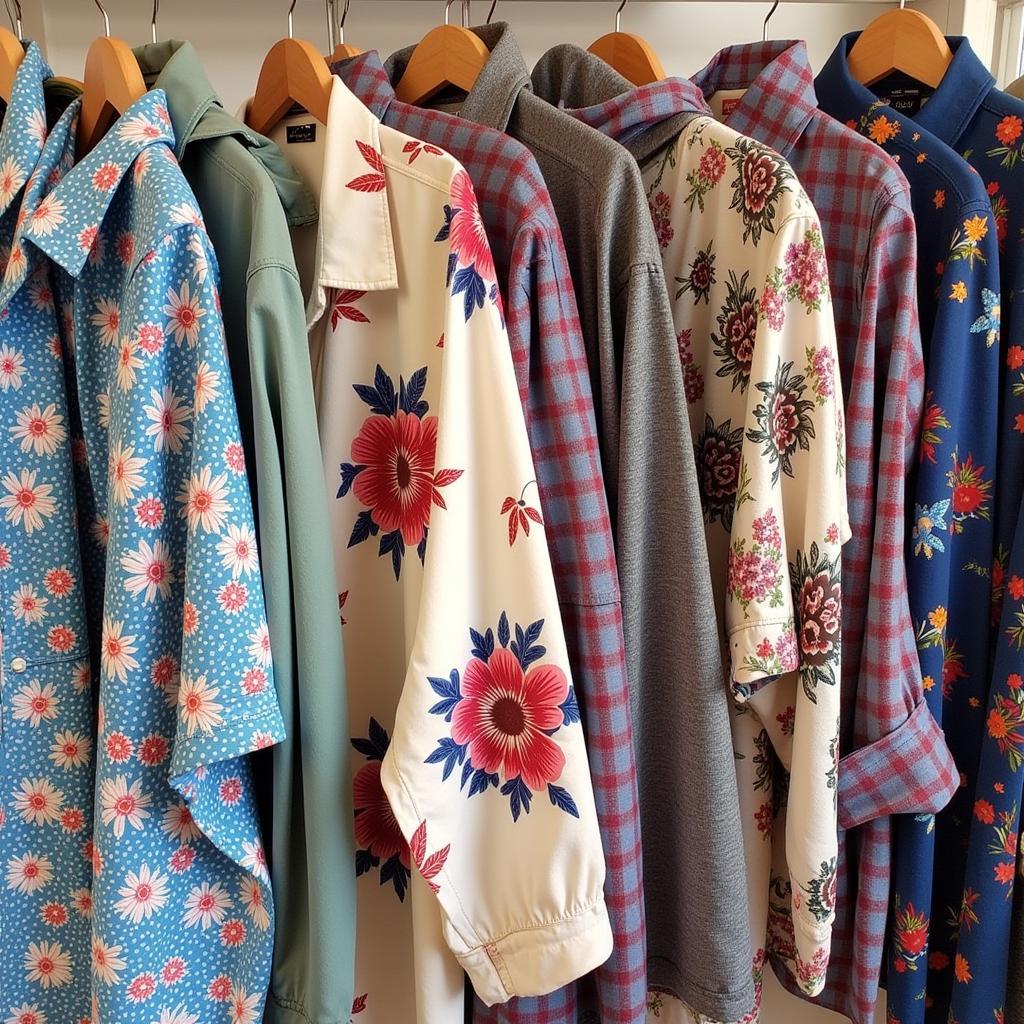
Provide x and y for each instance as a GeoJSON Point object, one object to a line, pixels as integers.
{"type": "Point", "coordinates": [249, 196]}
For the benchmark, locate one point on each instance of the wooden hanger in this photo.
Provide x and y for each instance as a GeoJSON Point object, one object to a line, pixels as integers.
{"type": "Point", "coordinates": [293, 72]}
{"type": "Point", "coordinates": [901, 40]}
{"type": "Point", "coordinates": [12, 51]}
{"type": "Point", "coordinates": [113, 82]}
{"type": "Point", "coordinates": [449, 55]}
{"type": "Point", "coordinates": [631, 55]}
{"type": "Point", "coordinates": [343, 50]}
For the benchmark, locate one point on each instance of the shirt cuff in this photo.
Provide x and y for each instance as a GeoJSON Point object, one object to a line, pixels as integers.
{"type": "Point", "coordinates": [541, 959]}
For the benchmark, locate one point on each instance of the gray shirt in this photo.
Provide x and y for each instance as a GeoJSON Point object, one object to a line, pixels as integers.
{"type": "Point", "coordinates": [694, 878]}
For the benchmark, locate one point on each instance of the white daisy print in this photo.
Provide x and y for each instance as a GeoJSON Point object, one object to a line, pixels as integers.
{"type": "Point", "coordinates": [29, 872]}
{"type": "Point", "coordinates": [250, 892]}
{"type": "Point", "coordinates": [27, 503]}
{"type": "Point", "coordinates": [47, 216]}
{"type": "Point", "coordinates": [28, 605]}
{"type": "Point", "coordinates": [35, 703]}
{"type": "Point", "coordinates": [70, 749]}
{"type": "Point", "coordinates": [178, 823]}
{"type": "Point", "coordinates": [107, 963]}
{"type": "Point", "coordinates": [206, 905]}
{"type": "Point", "coordinates": [143, 893]}
{"type": "Point", "coordinates": [116, 650]}
{"type": "Point", "coordinates": [138, 129]}
{"type": "Point", "coordinates": [186, 213]}
{"type": "Point", "coordinates": [38, 802]}
{"type": "Point", "coordinates": [12, 177]}
{"type": "Point", "coordinates": [127, 363]}
{"type": "Point", "coordinates": [103, 409]}
{"type": "Point", "coordinates": [47, 964]}
{"type": "Point", "coordinates": [243, 1007]}
{"type": "Point", "coordinates": [39, 430]}
{"type": "Point", "coordinates": [149, 571]}
{"type": "Point", "coordinates": [198, 706]}
{"type": "Point", "coordinates": [26, 1014]}
{"type": "Point", "coordinates": [35, 124]}
{"type": "Point", "coordinates": [259, 645]}
{"type": "Point", "coordinates": [168, 416]}
{"type": "Point", "coordinates": [108, 319]}
{"type": "Point", "coordinates": [12, 368]}
{"type": "Point", "coordinates": [184, 314]}
{"type": "Point", "coordinates": [201, 267]}
{"type": "Point", "coordinates": [255, 859]}
{"type": "Point", "coordinates": [237, 550]}
{"type": "Point", "coordinates": [206, 384]}
{"type": "Point", "coordinates": [179, 1015]}
{"type": "Point", "coordinates": [204, 500]}
{"type": "Point", "coordinates": [121, 804]}
{"type": "Point", "coordinates": [125, 471]}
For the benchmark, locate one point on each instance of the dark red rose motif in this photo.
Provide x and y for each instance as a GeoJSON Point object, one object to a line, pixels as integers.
{"type": "Point", "coordinates": [376, 826]}
{"type": "Point", "coordinates": [785, 420]}
{"type": "Point", "coordinates": [820, 618]}
{"type": "Point", "coordinates": [741, 330]}
{"type": "Point", "coordinates": [720, 469]}
{"type": "Point", "coordinates": [759, 180]}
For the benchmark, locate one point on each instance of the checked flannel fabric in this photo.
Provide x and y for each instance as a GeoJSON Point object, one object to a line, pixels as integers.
{"type": "Point", "coordinates": [987, 126]}
{"type": "Point", "coordinates": [46, 757]}
{"type": "Point", "coordinates": [554, 384]}
{"type": "Point", "coordinates": [180, 905]}
{"type": "Point", "coordinates": [952, 539]}
{"type": "Point", "coordinates": [742, 245]}
{"type": "Point", "coordinates": [893, 757]}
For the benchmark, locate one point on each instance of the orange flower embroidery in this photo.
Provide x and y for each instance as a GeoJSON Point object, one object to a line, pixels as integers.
{"type": "Point", "coordinates": [881, 130]}
{"type": "Point", "coordinates": [1018, 423]}
{"type": "Point", "coordinates": [1008, 131]}
{"type": "Point", "coordinates": [962, 969]}
{"type": "Point", "coordinates": [1016, 588]}
{"type": "Point", "coordinates": [984, 812]}
{"type": "Point", "coordinates": [939, 199]}
{"type": "Point", "coordinates": [1015, 357]}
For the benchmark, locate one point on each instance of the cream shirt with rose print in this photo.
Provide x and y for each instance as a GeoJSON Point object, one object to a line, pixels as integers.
{"type": "Point", "coordinates": [743, 258]}
{"type": "Point", "coordinates": [477, 840]}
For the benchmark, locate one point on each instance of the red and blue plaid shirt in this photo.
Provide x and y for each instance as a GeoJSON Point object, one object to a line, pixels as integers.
{"type": "Point", "coordinates": [894, 757]}
{"type": "Point", "coordinates": [554, 383]}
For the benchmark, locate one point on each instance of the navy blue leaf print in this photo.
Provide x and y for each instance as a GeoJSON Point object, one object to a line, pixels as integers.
{"type": "Point", "coordinates": [503, 633]}
{"type": "Point", "coordinates": [446, 227]}
{"type": "Point", "coordinates": [449, 690]}
{"type": "Point", "coordinates": [381, 398]}
{"type": "Point", "coordinates": [348, 476]}
{"type": "Point", "coordinates": [453, 262]}
{"type": "Point", "coordinates": [363, 528]}
{"type": "Point", "coordinates": [421, 548]}
{"type": "Point", "coordinates": [525, 647]}
{"type": "Point", "coordinates": [365, 861]}
{"type": "Point", "coordinates": [394, 871]}
{"type": "Point", "coordinates": [561, 799]}
{"type": "Point", "coordinates": [375, 746]}
{"type": "Point", "coordinates": [449, 752]}
{"type": "Point", "coordinates": [410, 395]}
{"type": "Point", "coordinates": [470, 285]}
{"type": "Point", "coordinates": [483, 643]}
{"type": "Point", "coordinates": [482, 780]}
{"type": "Point", "coordinates": [519, 796]}
{"type": "Point", "coordinates": [570, 709]}
{"type": "Point", "coordinates": [467, 770]}
{"type": "Point", "coordinates": [394, 543]}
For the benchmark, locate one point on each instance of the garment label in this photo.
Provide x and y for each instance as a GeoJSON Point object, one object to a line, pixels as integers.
{"type": "Point", "coordinates": [729, 105]}
{"type": "Point", "coordinates": [301, 133]}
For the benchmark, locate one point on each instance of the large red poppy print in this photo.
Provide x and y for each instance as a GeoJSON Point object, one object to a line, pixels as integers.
{"type": "Point", "coordinates": [392, 471]}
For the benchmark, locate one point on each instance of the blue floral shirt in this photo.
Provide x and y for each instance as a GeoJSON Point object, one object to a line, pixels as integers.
{"type": "Point", "coordinates": [46, 757]}
{"type": "Point", "coordinates": [180, 902]}
{"type": "Point", "coordinates": [952, 536]}
{"type": "Point", "coordinates": [987, 127]}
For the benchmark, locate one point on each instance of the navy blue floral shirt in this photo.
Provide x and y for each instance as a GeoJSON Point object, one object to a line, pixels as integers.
{"type": "Point", "coordinates": [952, 532]}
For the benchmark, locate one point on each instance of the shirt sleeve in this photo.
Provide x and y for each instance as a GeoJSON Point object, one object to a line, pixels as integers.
{"type": "Point", "coordinates": [784, 591]}
{"type": "Point", "coordinates": [487, 771]}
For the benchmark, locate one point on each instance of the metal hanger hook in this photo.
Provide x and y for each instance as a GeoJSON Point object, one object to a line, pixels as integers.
{"type": "Point", "coordinates": [291, 11]}
{"type": "Point", "coordinates": [156, 9]}
{"type": "Point", "coordinates": [447, 6]}
{"type": "Point", "coordinates": [341, 21]}
{"type": "Point", "coordinates": [768, 17]}
{"type": "Point", "coordinates": [106, 19]}
{"type": "Point", "coordinates": [618, 14]}
{"type": "Point", "coordinates": [467, 17]}
{"type": "Point", "coordinates": [490, 13]}
{"type": "Point", "coordinates": [15, 18]}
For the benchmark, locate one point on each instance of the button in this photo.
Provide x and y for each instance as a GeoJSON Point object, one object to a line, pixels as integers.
{"type": "Point", "coordinates": [18, 664]}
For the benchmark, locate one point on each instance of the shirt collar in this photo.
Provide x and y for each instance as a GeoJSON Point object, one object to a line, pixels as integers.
{"type": "Point", "coordinates": [368, 79]}
{"type": "Point", "coordinates": [957, 97]}
{"type": "Point", "coordinates": [65, 222]}
{"type": "Point", "coordinates": [355, 247]}
{"type": "Point", "coordinates": [24, 125]}
{"type": "Point", "coordinates": [839, 93]}
{"type": "Point", "coordinates": [641, 118]}
{"type": "Point", "coordinates": [779, 98]}
{"type": "Point", "coordinates": [197, 114]}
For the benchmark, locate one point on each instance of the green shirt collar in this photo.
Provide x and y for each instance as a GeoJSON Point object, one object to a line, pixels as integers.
{"type": "Point", "coordinates": [197, 115]}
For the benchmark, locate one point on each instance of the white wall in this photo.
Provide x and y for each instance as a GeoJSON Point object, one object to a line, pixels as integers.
{"type": "Point", "coordinates": [232, 37]}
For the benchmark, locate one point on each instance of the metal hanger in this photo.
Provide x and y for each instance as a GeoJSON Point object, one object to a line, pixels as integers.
{"type": "Point", "coordinates": [449, 55]}
{"type": "Point", "coordinates": [768, 17]}
{"type": "Point", "coordinates": [293, 71]}
{"type": "Point", "coordinates": [15, 17]}
{"type": "Point", "coordinates": [113, 82]}
{"type": "Point", "coordinates": [631, 55]}
{"type": "Point", "coordinates": [340, 50]}
{"type": "Point", "coordinates": [156, 8]}
{"type": "Point", "coordinates": [490, 13]}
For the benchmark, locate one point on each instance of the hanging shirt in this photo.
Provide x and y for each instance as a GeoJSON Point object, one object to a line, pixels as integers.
{"type": "Point", "coordinates": [248, 196]}
{"type": "Point", "coordinates": [766, 91]}
{"type": "Point", "coordinates": [181, 906]}
{"type": "Point", "coordinates": [968, 113]}
{"type": "Point", "coordinates": [477, 840]}
{"type": "Point", "coordinates": [695, 897]}
{"type": "Point", "coordinates": [743, 246]}
{"type": "Point", "coordinates": [951, 544]}
{"type": "Point", "coordinates": [47, 752]}
{"type": "Point", "coordinates": [550, 359]}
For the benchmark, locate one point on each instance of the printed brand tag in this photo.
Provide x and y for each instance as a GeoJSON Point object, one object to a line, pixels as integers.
{"type": "Point", "coordinates": [301, 133]}
{"type": "Point", "coordinates": [730, 104]}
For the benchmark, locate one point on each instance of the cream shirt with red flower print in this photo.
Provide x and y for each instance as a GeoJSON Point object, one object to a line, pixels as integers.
{"type": "Point", "coordinates": [476, 834]}
{"type": "Point", "coordinates": [744, 262]}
